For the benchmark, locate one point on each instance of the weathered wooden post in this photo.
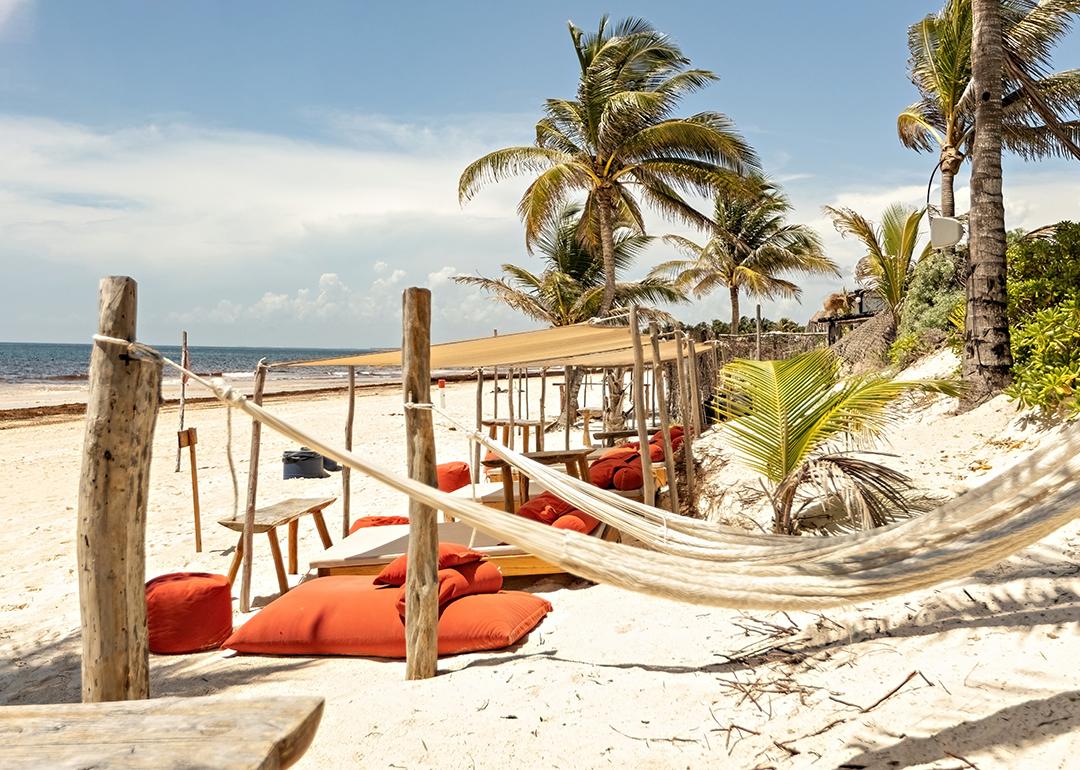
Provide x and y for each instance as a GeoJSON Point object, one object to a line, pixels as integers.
{"type": "Point", "coordinates": [648, 482]}
{"type": "Point", "coordinates": [692, 362]}
{"type": "Point", "coordinates": [479, 424]}
{"type": "Point", "coordinates": [185, 362]}
{"type": "Point", "coordinates": [687, 420]}
{"type": "Point", "coordinates": [566, 406]}
{"type": "Point", "coordinates": [346, 471]}
{"type": "Point", "coordinates": [252, 490]}
{"type": "Point", "coordinates": [121, 411]}
{"type": "Point", "coordinates": [665, 423]}
{"type": "Point", "coordinates": [189, 438]}
{"type": "Point", "coordinates": [543, 411]}
{"type": "Point", "coordinates": [421, 579]}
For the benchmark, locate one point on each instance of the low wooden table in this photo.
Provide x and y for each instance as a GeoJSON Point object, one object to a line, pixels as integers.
{"type": "Point", "coordinates": [573, 459]}
{"type": "Point", "coordinates": [163, 733]}
{"type": "Point", "coordinates": [268, 519]}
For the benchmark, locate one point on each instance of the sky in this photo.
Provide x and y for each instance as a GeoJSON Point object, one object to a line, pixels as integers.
{"type": "Point", "coordinates": [274, 173]}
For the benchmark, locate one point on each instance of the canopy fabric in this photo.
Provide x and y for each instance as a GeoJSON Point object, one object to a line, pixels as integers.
{"type": "Point", "coordinates": [623, 356]}
{"type": "Point", "coordinates": [545, 345]}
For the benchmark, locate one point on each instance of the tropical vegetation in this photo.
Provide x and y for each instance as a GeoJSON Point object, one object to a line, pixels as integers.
{"type": "Point", "coordinates": [570, 288]}
{"type": "Point", "coordinates": [806, 430]}
{"type": "Point", "coordinates": [890, 249]}
{"type": "Point", "coordinates": [1039, 106]}
{"type": "Point", "coordinates": [618, 144]}
{"type": "Point", "coordinates": [1046, 352]}
{"type": "Point", "coordinates": [751, 248]}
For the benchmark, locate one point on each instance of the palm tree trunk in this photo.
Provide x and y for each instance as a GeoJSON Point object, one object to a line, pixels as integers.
{"type": "Point", "coordinates": [948, 204]}
{"type": "Point", "coordinates": [605, 209]}
{"type": "Point", "coordinates": [987, 358]}
{"type": "Point", "coordinates": [577, 374]}
{"type": "Point", "coordinates": [734, 291]}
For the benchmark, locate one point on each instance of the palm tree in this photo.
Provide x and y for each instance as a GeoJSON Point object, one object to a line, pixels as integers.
{"type": "Point", "coordinates": [987, 361]}
{"type": "Point", "coordinates": [570, 288]}
{"type": "Point", "coordinates": [796, 422]}
{"type": "Point", "coordinates": [751, 248]}
{"type": "Point", "coordinates": [890, 249]}
{"type": "Point", "coordinates": [616, 134]}
{"type": "Point", "coordinates": [1037, 102]}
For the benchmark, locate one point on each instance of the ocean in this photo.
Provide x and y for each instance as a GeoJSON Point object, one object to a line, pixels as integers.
{"type": "Point", "coordinates": [37, 362]}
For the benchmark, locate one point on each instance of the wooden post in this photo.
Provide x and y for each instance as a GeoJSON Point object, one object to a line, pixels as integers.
{"type": "Point", "coordinates": [648, 482]}
{"type": "Point", "coordinates": [252, 489]}
{"type": "Point", "coordinates": [346, 471]}
{"type": "Point", "coordinates": [510, 405]}
{"type": "Point", "coordinates": [421, 579]}
{"type": "Point", "coordinates": [543, 413]}
{"type": "Point", "coordinates": [665, 423]}
{"type": "Point", "coordinates": [495, 392]}
{"type": "Point", "coordinates": [566, 404]}
{"type": "Point", "coordinates": [189, 438]}
{"type": "Point", "coordinates": [757, 334]}
{"type": "Point", "coordinates": [695, 385]}
{"type": "Point", "coordinates": [479, 424]}
{"type": "Point", "coordinates": [121, 411]}
{"type": "Point", "coordinates": [185, 361]}
{"type": "Point", "coordinates": [688, 433]}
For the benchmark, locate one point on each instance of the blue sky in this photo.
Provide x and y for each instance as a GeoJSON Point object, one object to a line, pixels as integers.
{"type": "Point", "coordinates": [276, 172]}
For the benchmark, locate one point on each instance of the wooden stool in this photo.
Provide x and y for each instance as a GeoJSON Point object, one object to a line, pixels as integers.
{"type": "Point", "coordinates": [269, 519]}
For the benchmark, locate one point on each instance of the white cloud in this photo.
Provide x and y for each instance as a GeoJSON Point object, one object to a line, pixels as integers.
{"type": "Point", "coordinates": [11, 12]}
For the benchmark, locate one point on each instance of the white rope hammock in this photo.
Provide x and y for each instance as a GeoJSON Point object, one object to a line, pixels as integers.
{"type": "Point", "coordinates": [699, 563]}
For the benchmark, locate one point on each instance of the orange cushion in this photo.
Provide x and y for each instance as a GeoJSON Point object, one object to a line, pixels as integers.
{"type": "Point", "coordinates": [480, 577]}
{"type": "Point", "coordinates": [450, 555]}
{"type": "Point", "coordinates": [453, 475]}
{"type": "Point", "coordinates": [377, 521]}
{"type": "Point", "coordinates": [534, 508]}
{"type": "Point", "coordinates": [349, 615]}
{"type": "Point", "coordinates": [188, 612]}
{"type": "Point", "coordinates": [601, 471]}
{"type": "Point", "coordinates": [578, 521]}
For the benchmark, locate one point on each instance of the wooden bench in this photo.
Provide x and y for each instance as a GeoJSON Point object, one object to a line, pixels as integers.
{"type": "Point", "coordinates": [610, 436]}
{"type": "Point", "coordinates": [268, 519]}
{"type": "Point", "coordinates": [163, 733]}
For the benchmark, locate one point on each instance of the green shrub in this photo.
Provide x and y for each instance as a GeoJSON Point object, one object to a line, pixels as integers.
{"type": "Point", "coordinates": [907, 348]}
{"type": "Point", "coordinates": [1043, 272]}
{"type": "Point", "coordinates": [935, 289]}
{"type": "Point", "coordinates": [1046, 356]}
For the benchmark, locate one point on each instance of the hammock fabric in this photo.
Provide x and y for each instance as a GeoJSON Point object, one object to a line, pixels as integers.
{"type": "Point", "coordinates": [700, 563]}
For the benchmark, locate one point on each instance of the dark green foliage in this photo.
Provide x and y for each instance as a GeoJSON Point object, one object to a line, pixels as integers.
{"type": "Point", "coordinates": [1043, 272]}
{"type": "Point", "coordinates": [933, 293]}
{"type": "Point", "coordinates": [1046, 352]}
{"type": "Point", "coordinates": [747, 325]}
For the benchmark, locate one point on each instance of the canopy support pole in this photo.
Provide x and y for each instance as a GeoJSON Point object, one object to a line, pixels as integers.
{"type": "Point", "coordinates": [543, 413]}
{"type": "Point", "coordinates": [665, 422]}
{"type": "Point", "coordinates": [566, 404]}
{"type": "Point", "coordinates": [695, 384]}
{"type": "Point", "coordinates": [647, 481]}
{"type": "Point", "coordinates": [479, 424]}
{"type": "Point", "coordinates": [687, 420]}
{"type": "Point", "coordinates": [421, 578]}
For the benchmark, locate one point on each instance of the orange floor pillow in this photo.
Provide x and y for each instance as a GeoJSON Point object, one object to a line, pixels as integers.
{"type": "Point", "coordinates": [480, 577]}
{"type": "Point", "coordinates": [450, 555]}
{"type": "Point", "coordinates": [377, 521]}
{"type": "Point", "coordinates": [188, 612]}
{"type": "Point", "coordinates": [534, 508]}
{"type": "Point", "coordinates": [350, 615]}
{"type": "Point", "coordinates": [453, 475]}
{"type": "Point", "coordinates": [578, 521]}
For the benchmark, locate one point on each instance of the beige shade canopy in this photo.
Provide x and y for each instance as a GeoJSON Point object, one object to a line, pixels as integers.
{"type": "Point", "coordinates": [622, 357]}
{"type": "Point", "coordinates": [550, 346]}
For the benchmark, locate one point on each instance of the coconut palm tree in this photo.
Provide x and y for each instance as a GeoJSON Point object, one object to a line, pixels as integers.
{"type": "Point", "coordinates": [987, 360]}
{"type": "Point", "coordinates": [1039, 105]}
{"type": "Point", "coordinates": [802, 427]}
{"type": "Point", "coordinates": [752, 246]}
{"type": "Point", "coordinates": [570, 288]}
{"type": "Point", "coordinates": [890, 249]}
{"type": "Point", "coordinates": [617, 143]}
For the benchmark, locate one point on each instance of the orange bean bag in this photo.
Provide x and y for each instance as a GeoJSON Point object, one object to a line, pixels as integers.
{"type": "Point", "coordinates": [188, 612]}
{"type": "Point", "coordinates": [350, 615]}
{"type": "Point", "coordinates": [450, 555]}
{"type": "Point", "coordinates": [453, 475]}
{"type": "Point", "coordinates": [535, 508]}
{"type": "Point", "coordinates": [618, 469]}
{"type": "Point", "coordinates": [480, 577]}
{"type": "Point", "coordinates": [377, 521]}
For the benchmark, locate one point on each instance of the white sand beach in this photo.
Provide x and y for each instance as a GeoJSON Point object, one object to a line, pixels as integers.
{"type": "Point", "coordinates": [985, 668]}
